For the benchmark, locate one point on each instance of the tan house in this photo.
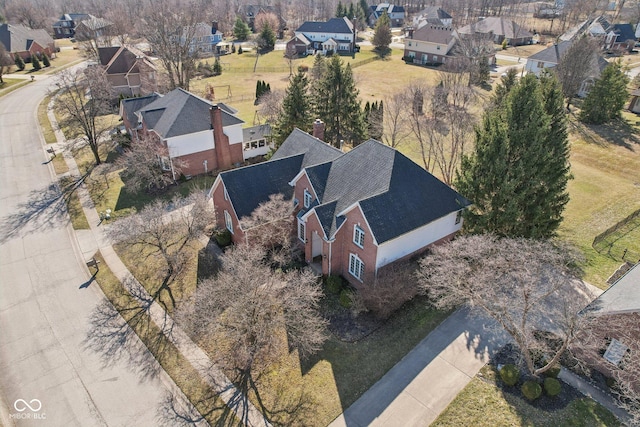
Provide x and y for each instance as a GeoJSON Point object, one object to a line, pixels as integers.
{"type": "Point", "coordinates": [130, 72]}
{"type": "Point", "coordinates": [500, 29]}
{"type": "Point", "coordinates": [429, 44]}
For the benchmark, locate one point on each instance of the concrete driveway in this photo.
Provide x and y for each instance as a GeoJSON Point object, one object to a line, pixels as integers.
{"type": "Point", "coordinates": [47, 378]}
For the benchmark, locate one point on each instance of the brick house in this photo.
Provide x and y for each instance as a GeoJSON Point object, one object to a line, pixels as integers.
{"type": "Point", "coordinates": [335, 35]}
{"type": "Point", "coordinates": [353, 212]}
{"type": "Point", "coordinates": [23, 41]}
{"type": "Point", "coordinates": [428, 44]}
{"type": "Point", "coordinates": [129, 71]}
{"type": "Point", "coordinates": [616, 328]}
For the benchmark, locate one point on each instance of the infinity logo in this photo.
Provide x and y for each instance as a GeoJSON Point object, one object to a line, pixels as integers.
{"type": "Point", "coordinates": [21, 405]}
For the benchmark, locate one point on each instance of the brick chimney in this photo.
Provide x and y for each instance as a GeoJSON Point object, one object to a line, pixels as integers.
{"type": "Point", "coordinates": [318, 129]}
{"type": "Point", "coordinates": [221, 141]}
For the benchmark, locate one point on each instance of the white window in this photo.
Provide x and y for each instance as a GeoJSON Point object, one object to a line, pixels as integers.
{"type": "Point", "coordinates": [226, 195]}
{"type": "Point", "coordinates": [165, 163]}
{"type": "Point", "coordinates": [358, 236]}
{"type": "Point", "coordinates": [540, 64]}
{"type": "Point", "coordinates": [228, 222]}
{"type": "Point", "coordinates": [301, 231]}
{"type": "Point", "coordinates": [356, 266]}
{"type": "Point", "coordinates": [308, 198]}
{"type": "Point", "coordinates": [615, 352]}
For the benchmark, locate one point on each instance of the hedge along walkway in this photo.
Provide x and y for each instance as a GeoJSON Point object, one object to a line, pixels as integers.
{"type": "Point", "coordinates": [96, 238]}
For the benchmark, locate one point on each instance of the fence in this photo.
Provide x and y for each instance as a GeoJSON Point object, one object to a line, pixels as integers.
{"type": "Point", "coordinates": [607, 240]}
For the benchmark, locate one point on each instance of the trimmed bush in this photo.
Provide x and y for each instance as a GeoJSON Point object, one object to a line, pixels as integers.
{"type": "Point", "coordinates": [19, 62]}
{"type": "Point", "coordinates": [223, 238]}
{"type": "Point", "coordinates": [510, 374]}
{"type": "Point", "coordinates": [45, 61]}
{"type": "Point", "coordinates": [334, 284]}
{"type": "Point", "coordinates": [553, 371]}
{"type": "Point", "coordinates": [552, 386]}
{"type": "Point", "coordinates": [345, 298]}
{"type": "Point", "coordinates": [35, 63]}
{"type": "Point", "coordinates": [531, 390]}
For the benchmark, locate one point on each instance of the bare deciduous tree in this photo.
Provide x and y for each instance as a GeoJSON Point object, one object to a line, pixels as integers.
{"type": "Point", "coordinates": [170, 28]}
{"type": "Point", "coordinates": [271, 105]}
{"type": "Point", "coordinates": [419, 124]}
{"type": "Point", "coordinates": [527, 286]}
{"type": "Point", "coordinates": [396, 128]}
{"type": "Point", "coordinates": [263, 19]}
{"type": "Point", "coordinates": [165, 235]}
{"type": "Point", "coordinates": [578, 62]}
{"type": "Point", "coordinates": [269, 227]}
{"type": "Point", "coordinates": [5, 61]}
{"type": "Point", "coordinates": [142, 164]}
{"type": "Point", "coordinates": [252, 315]}
{"type": "Point", "coordinates": [81, 112]}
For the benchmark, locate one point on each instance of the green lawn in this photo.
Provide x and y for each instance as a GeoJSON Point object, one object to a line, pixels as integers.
{"type": "Point", "coordinates": [63, 59]}
{"type": "Point", "coordinates": [483, 404]}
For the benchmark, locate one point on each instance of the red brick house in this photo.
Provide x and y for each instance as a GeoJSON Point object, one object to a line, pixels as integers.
{"type": "Point", "coordinates": [613, 343]}
{"type": "Point", "coordinates": [23, 41]}
{"type": "Point", "coordinates": [354, 212]}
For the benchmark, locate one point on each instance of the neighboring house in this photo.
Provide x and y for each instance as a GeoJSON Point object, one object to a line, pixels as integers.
{"type": "Point", "coordinates": [395, 13]}
{"type": "Point", "coordinates": [501, 29]}
{"type": "Point", "coordinates": [611, 37]}
{"type": "Point", "coordinates": [335, 35]}
{"type": "Point", "coordinates": [93, 28]}
{"type": "Point", "coordinates": [23, 41]}
{"type": "Point", "coordinates": [299, 45]}
{"type": "Point", "coordinates": [429, 44]}
{"type": "Point", "coordinates": [433, 15]}
{"type": "Point", "coordinates": [255, 141]}
{"type": "Point", "coordinates": [354, 212]}
{"type": "Point", "coordinates": [203, 38]}
{"type": "Point", "coordinates": [619, 305]}
{"type": "Point", "coordinates": [202, 135]}
{"type": "Point", "coordinates": [634, 105]}
{"type": "Point", "coordinates": [551, 57]}
{"type": "Point", "coordinates": [65, 27]}
{"type": "Point", "coordinates": [251, 11]}
{"type": "Point", "coordinates": [130, 72]}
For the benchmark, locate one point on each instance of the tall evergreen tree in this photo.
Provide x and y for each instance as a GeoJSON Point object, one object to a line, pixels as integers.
{"type": "Point", "coordinates": [35, 63]}
{"type": "Point", "coordinates": [351, 14]}
{"type": "Point", "coordinates": [607, 96]}
{"type": "Point", "coordinates": [340, 12]}
{"type": "Point", "coordinates": [296, 109]}
{"type": "Point", "coordinates": [45, 61]}
{"type": "Point", "coordinates": [382, 35]}
{"type": "Point", "coordinates": [335, 101]}
{"type": "Point", "coordinates": [517, 175]}
{"type": "Point", "coordinates": [19, 62]}
{"type": "Point", "coordinates": [241, 30]}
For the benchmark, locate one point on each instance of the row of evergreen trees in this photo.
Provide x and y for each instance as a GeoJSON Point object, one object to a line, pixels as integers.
{"type": "Point", "coordinates": [328, 93]}
{"type": "Point", "coordinates": [35, 62]}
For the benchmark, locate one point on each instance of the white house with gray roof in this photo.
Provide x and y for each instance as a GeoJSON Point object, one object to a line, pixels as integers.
{"type": "Point", "coordinates": [428, 44]}
{"type": "Point", "coordinates": [354, 212]}
{"type": "Point", "coordinates": [335, 35]}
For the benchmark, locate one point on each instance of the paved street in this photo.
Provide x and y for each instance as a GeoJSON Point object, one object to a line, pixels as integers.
{"type": "Point", "coordinates": [43, 309]}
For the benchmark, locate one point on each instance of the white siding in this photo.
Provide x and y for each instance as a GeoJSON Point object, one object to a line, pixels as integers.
{"type": "Point", "coordinates": [417, 239]}
{"type": "Point", "coordinates": [192, 143]}
{"type": "Point", "coordinates": [234, 133]}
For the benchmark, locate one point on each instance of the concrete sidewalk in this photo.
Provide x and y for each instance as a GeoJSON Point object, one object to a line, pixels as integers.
{"type": "Point", "coordinates": [429, 377]}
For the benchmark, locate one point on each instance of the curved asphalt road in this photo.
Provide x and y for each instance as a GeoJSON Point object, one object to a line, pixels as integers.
{"type": "Point", "coordinates": [43, 311]}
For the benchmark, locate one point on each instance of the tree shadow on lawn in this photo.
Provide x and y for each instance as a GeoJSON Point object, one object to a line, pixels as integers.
{"type": "Point", "coordinates": [618, 132]}
{"type": "Point", "coordinates": [358, 366]}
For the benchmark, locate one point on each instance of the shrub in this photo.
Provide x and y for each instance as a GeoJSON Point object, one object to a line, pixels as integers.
{"type": "Point", "coordinates": [504, 44]}
{"type": "Point", "coordinates": [45, 61]}
{"type": "Point", "coordinates": [223, 238]}
{"type": "Point", "coordinates": [552, 386]}
{"type": "Point", "coordinates": [611, 382]}
{"type": "Point", "coordinates": [553, 371]}
{"type": "Point", "coordinates": [394, 286]}
{"type": "Point", "coordinates": [531, 390]}
{"type": "Point", "coordinates": [35, 63]}
{"type": "Point", "coordinates": [239, 50]}
{"type": "Point", "coordinates": [19, 62]}
{"type": "Point", "coordinates": [334, 284]}
{"type": "Point", "coordinates": [510, 374]}
{"type": "Point", "coordinates": [345, 298]}
{"type": "Point", "coordinates": [303, 68]}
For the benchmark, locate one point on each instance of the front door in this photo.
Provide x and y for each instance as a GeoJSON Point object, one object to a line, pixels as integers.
{"type": "Point", "coordinates": [316, 245]}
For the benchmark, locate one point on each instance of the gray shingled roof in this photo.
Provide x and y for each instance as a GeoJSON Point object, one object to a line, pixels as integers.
{"type": "Point", "coordinates": [106, 53]}
{"type": "Point", "coordinates": [553, 53]}
{"type": "Point", "coordinates": [625, 32]}
{"type": "Point", "coordinates": [396, 195]}
{"type": "Point", "coordinates": [256, 132]}
{"type": "Point", "coordinates": [621, 297]}
{"type": "Point", "coordinates": [249, 186]}
{"type": "Point", "coordinates": [439, 34]}
{"type": "Point", "coordinates": [18, 38]}
{"type": "Point", "coordinates": [315, 151]}
{"type": "Point", "coordinates": [499, 26]}
{"type": "Point", "coordinates": [434, 12]}
{"type": "Point", "coordinates": [131, 105]}
{"type": "Point", "coordinates": [181, 113]}
{"type": "Point", "coordinates": [333, 25]}
{"type": "Point", "coordinates": [93, 23]}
